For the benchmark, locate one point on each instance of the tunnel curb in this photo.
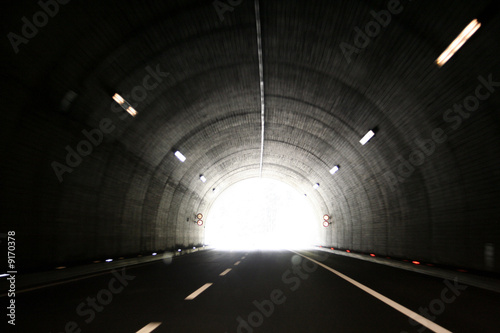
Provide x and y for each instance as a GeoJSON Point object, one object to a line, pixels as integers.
{"type": "Point", "coordinates": [40, 280]}
{"type": "Point", "coordinates": [473, 280]}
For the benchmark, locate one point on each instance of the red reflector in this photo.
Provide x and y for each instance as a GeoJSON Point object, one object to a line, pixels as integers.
{"type": "Point", "coordinates": [347, 251]}
{"type": "Point", "coordinates": [430, 265]}
{"type": "Point", "coordinates": [371, 254]}
{"type": "Point", "coordinates": [462, 270]}
{"type": "Point", "coordinates": [332, 248]}
{"type": "Point", "coordinates": [416, 262]}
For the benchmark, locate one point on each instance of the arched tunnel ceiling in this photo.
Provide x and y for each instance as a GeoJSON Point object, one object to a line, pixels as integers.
{"type": "Point", "coordinates": [318, 104]}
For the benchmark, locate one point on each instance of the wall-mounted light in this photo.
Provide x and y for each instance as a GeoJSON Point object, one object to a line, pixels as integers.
{"type": "Point", "coordinates": [124, 104]}
{"type": "Point", "coordinates": [326, 224]}
{"type": "Point", "coordinates": [202, 178]}
{"type": "Point", "coordinates": [458, 42]}
{"type": "Point", "coordinates": [179, 155]}
{"type": "Point", "coordinates": [316, 186]}
{"type": "Point", "coordinates": [334, 169]}
{"type": "Point", "coordinates": [367, 137]}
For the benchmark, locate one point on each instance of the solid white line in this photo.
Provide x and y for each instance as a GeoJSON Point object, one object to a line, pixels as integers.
{"type": "Point", "coordinates": [225, 272]}
{"type": "Point", "coordinates": [197, 292]}
{"type": "Point", "coordinates": [237, 263]}
{"type": "Point", "coordinates": [413, 315]}
{"type": "Point", "coordinates": [149, 328]}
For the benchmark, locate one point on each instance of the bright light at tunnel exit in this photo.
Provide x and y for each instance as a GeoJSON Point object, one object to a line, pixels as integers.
{"type": "Point", "coordinates": [261, 213]}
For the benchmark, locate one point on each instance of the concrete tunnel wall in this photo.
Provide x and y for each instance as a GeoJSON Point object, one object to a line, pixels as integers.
{"type": "Point", "coordinates": [131, 195]}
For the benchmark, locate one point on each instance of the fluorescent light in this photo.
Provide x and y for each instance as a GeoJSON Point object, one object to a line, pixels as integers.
{"type": "Point", "coordinates": [109, 260]}
{"type": "Point", "coordinates": [4, 275]}
{"type": "Point", "coordinates": [179, 155]}
{"type": "Point", "coordinates": [124, 104]}
{"type": "Point", "coordinates": [367, 137]}
{"type": "Point", "coordinates": [154, 253]}
{"type": "Point", "coordinates": [458, 42]}
{"type": "Point", "coordinates": [316, 186]}
{"type": "Point", "coordinates": [132, 111]}
{"type": "Point", "coordinates": [118, 99]}
{"type": "Point", "coordinates": [202, 178]}
{"type": "Point", "coordinates": [334, 169]}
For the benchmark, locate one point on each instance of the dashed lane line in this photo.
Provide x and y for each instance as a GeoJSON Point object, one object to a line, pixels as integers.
{"type": "Point", "coordinates": [197, 292]}
{"type": "Point", "coordinates": [149, 327]}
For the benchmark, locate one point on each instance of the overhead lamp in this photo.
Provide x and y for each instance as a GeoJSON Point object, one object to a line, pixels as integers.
{"type": "Point", "coordinates": [367, 137]}
{"type": "Point", "coordinates": [316, 186]}
{"type": "Point", "coordinates": [202, 178]}
{"type": "Point", "coordinates": [132, 111]}
{"type": "Point", "coordinates": [179, 155]}
{"type": "Point", "coordinates": [124, 104]}
{"type": "Point", "coordinates": [458, 42]}
{"type": "Point", "coordinates": [334, 169]}
{"type": "Point", "coordinates": [109, 260]}
{"type": "Point", "coordinates": [118, 99]}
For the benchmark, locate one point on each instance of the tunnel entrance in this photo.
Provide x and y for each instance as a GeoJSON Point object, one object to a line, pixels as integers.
{"type": "Point", "coordinates": [260, 213]}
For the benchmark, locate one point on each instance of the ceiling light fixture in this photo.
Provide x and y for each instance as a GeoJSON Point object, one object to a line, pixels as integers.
{"type": "Point", "coordinates": [124, 104]}
{"type": "Point", "coordinates": [458, 42]}
{"type": "Point", "coordinates": [202, 178]}
{"type": "Point", "coordinates": [367, 137]}
{"type": "Point", "coordinates": [334, 169]}
{"type": "Point", "coordinates": [179, 155]}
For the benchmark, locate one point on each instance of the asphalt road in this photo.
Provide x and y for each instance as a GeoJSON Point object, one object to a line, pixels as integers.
{"type": "Point", "coordinates": [276, 291]}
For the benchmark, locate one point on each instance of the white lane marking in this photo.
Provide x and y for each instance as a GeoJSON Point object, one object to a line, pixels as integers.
{"type": "Point", "coordinates": [225, 272]}
{"type": "Point", "coordinates": [197, 292]}
{"type": "Point", "coordinates": [237, 263]}
{"type": "Point", "coordinates": [407, 312]}
{"type": "Point", "coordinates": [243, 257]}
{"type": "Point", "coordinates": [149, 328]}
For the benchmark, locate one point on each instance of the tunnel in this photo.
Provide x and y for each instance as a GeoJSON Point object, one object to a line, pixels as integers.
{"type": "Point", "coordinates": [124, 120]}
